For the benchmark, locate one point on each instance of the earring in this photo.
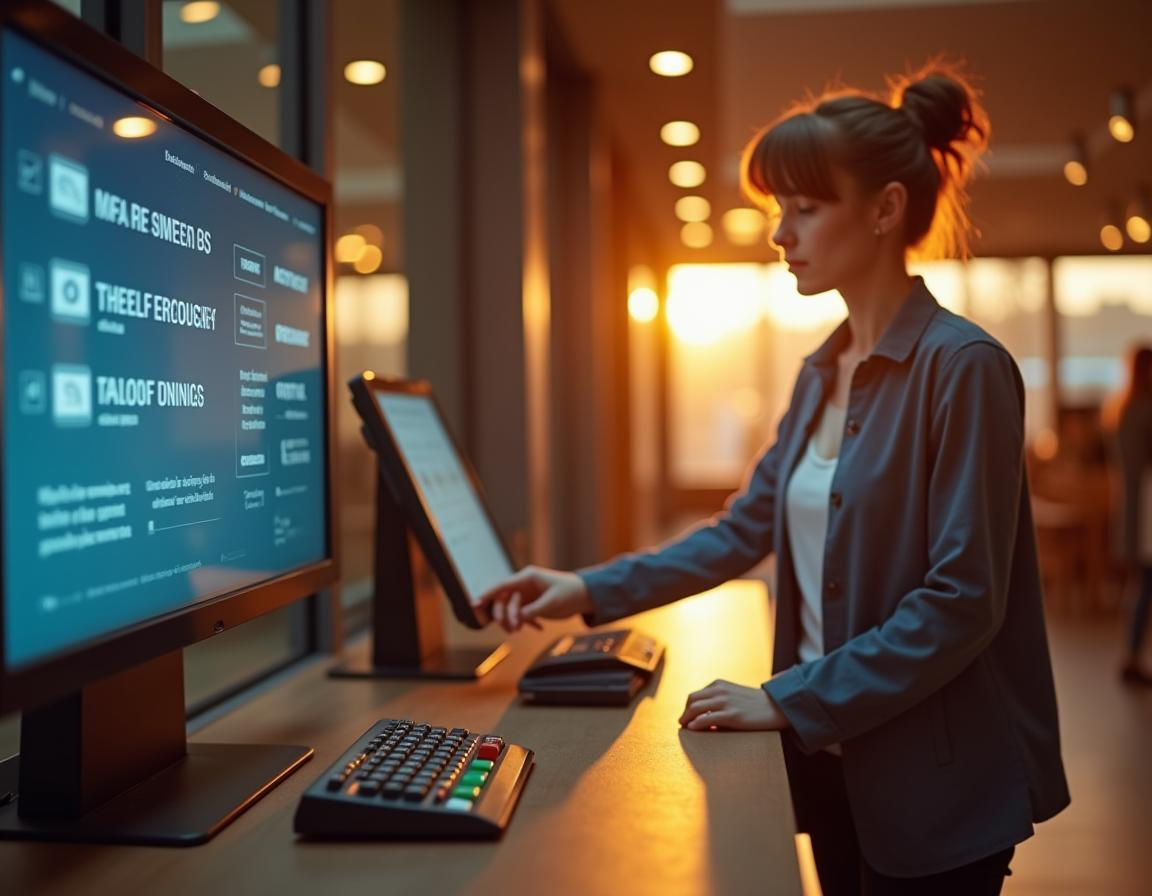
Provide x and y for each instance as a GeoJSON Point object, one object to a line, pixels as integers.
{"type": "Point", "coordinates": [878, 231]}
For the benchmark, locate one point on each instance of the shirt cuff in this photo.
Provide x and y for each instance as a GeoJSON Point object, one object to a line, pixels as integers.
{"type": "Point", "coordinates": [812, 727]}
{"type": "Point", "coordinates": [609, 599]}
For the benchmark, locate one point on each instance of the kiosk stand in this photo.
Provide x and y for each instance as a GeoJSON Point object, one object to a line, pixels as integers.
{"type": "Point", "coordinates": [407, 628]}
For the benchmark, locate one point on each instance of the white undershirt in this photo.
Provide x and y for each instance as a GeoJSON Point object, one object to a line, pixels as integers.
{"type": "Point", "coordinates": [807, 501]}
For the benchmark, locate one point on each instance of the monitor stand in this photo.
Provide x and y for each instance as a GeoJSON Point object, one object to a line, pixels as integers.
{"type": "Point", "coordinates": [111, 764]}
{"type": "Point", "coordinates": [407, 629]}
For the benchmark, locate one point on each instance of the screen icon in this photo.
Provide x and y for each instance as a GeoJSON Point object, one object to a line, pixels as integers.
{"type": "Point", "coordinates": [68, 189]}
{"type": "Point", "coordinates": [32, 283]}
{"type": "Point", "coordinates": [33, 392]}
{"type": "Point", "coordinates": [71, 395]}
{"type": "Point", "coordinates": [30, 172]}
{"type": "Point", "coordinates": [71, 300]}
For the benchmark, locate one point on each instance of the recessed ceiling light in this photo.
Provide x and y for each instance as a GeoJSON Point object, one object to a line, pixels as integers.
{"type": "Point", "coordinates": [199, 11]}
{"type": "Point", "coordinates": [643, 305]}
{"type": "Point", "coordinates": [670, 63]}
{"type": "Point", "coordinates": [693, 208]}
{"type": "Point", "coordinates": [365, 72]}
{"type": "Point", "coordinates": [269, 75]}
{"type": "Point", "coordinates": [696, 235]}
{"type": "Point", "coordinates": [369, 260]}
{"type": "Point", "coordinates": [680, 133]}
{"type": "Point", "coordinates": [1111, 237]}
{"type": "Point", "coordinates": [743, 226]}
{"type": "Point", "coordinates": [133, 127]}
{"type": "Point", "coordinates": [686, 174]}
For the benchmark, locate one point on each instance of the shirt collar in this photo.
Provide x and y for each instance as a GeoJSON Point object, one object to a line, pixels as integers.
{"type": "Point", "coordinates": [899, 338]}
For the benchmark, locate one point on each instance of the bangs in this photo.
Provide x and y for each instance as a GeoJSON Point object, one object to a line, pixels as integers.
{"type": "Point", "coordinates": [790, 158]}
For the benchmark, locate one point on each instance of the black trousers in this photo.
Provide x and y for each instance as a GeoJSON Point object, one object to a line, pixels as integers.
{"type": "Point", "coordinates": [820, 801]}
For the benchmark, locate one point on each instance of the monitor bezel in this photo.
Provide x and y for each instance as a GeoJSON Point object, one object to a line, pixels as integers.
{"type": "Point", "coordinates": [59, 32]}
{"type": "Point", "coordinates": [400, 477]}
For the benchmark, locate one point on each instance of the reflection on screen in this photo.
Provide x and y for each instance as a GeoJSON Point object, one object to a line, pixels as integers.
{"type": "Point", "coordinates": [447, 493]}
{"type": "Point", "coordinates": [163, 354]}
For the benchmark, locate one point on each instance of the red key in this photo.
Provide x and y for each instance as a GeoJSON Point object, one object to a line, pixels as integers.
{"type": "Point", "coordinates": [490, 749]}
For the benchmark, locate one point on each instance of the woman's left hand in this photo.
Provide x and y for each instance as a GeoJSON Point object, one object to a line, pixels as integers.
{"type": "Point", "coordinates": [726, 705]}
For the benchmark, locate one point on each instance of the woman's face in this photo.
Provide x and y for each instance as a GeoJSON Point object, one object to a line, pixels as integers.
{"type": "Point", "coordinates": [828, 244]}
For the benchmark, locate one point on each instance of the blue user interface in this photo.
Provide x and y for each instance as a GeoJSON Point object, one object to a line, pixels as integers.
{"type": "Point", "coordinates": [164, 405]}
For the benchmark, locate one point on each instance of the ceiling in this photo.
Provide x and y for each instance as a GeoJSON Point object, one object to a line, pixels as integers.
{"type": "Point", "coordinates": [1046, 69]}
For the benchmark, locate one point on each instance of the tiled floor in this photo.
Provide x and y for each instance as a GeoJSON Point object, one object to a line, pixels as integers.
{"type": "Point", "coordinates": [1102, 844]}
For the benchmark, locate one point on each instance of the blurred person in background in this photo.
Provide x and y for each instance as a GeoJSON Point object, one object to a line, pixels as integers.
{"type": "Point", "coordinates": [1128, 418]}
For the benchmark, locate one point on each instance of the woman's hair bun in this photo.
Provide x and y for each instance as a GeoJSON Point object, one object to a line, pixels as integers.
{"type": "Point", "coordinates": [942, 107]}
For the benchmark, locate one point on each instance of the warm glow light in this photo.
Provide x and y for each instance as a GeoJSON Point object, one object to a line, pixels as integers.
{"type": "Point", "coordinates": [1121, 129]}
{"type": "Point", "coordinates": [1138, 229]}
{"type": "Point", "coordinates": [365, 72]}
{"type": "Point", "coordinates": [696, 235]}
{"type": "Point", "coordinates": [709, 302]}
{"type": "Point", "coordinates": [680, 133]}
{"type": "Point", "coordinates": [643, 304]}
{"type": "Point", "coordinates": [1075, 173]}
{"type": "Point", "coordinates": [269, 75]}
{"type": "Point", "coordinates": [1111, 237]}
{"type": "Point", "coordinates": [743, 226]}
{"type": "Point", "coordinates": [1046, 444]}
{"type": "Point", "coordinates": [670, 63]}
{"type": "Point", "coordinates": [686, 174]}
{"type": "Point", "coordinates": [369, 260]}
{"type": "Point", "coordinates": [693, 208]}
{"type": "Point", "coordinates": [133, 127]}
{"type": "Point", "coordinates": [199, 12]}
{"type": "Point", "coordinates": [349, 247]}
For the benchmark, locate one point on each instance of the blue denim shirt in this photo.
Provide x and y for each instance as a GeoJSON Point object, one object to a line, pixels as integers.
{"type": "Point", "coordinates": [936, 679]}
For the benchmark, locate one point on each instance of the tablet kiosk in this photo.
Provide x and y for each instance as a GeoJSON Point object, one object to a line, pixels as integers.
{"type": "Point", "coordinates": [433, 526]}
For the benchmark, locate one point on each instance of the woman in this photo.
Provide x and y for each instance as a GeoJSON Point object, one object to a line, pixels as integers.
{"type": "Point", "coordinates": [1129, 418]}
{"type": "Point", "coordinates": [910, 669]}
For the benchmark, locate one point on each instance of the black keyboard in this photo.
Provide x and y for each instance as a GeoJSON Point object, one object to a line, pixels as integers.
{"type": "Point", "coordinates": [400, 779]}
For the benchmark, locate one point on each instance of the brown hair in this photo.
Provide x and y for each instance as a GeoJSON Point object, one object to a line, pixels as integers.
{"type": "Point", "coordinates": [927, 137]}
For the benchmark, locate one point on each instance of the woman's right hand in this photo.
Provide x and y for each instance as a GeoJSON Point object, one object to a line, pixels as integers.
{"type": "Point", "coordinates": [536, 593]}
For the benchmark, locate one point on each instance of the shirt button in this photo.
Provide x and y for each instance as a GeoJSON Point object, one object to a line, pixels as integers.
{"type": "Point", "coordinates": [836, 499]}
{"type": "Point", "coordinates": [833, 586]}
{"type": "Point", "coordinates": [852, 428]}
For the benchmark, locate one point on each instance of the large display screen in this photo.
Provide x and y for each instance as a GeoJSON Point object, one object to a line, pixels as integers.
{"type": "Point", "coordinates": [446, 491]}
{"type": "Point", "coordinates": [164, 351]}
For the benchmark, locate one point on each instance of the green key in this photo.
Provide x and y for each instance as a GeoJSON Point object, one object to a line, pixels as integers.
{"type": "Point", "coordinates": [474, 778]}
{"type": "Point", "coordinates": [481, 765]}
{"type": "Point", "coordinates": [466, 792]}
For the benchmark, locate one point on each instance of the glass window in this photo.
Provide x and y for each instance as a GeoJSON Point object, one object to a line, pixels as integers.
{"type": "Point", "coordinates": [73, 6]}
{"type": "Point", "coordinates": [1105, 305]}
{"type": "Point", "coordinates": [371, 290]}
{"type": "Point", "coordinates": [228, 53]}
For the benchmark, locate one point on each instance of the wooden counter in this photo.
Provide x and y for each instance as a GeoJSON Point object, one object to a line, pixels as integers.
{"type": "Point", "coordinates": [621, 800]}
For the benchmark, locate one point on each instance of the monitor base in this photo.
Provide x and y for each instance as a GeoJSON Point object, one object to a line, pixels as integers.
{"type": "Point", "coordinates": [461, 664]}
{"type": "Point", "coordinates": [185, 804]}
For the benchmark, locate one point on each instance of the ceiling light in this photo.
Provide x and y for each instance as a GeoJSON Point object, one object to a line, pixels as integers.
{"type": "Point", "coordinates": [199, 12]}
{"type": "Point", "coordinates": [643, 305]}
{"type": "Point", "coordinates": [369, 260]}
{"type": "Point", "coordinates": [680, 133]}
{"type": "Point", "coordinates": [693, 208]}
{"type": "Point", "coordinates": [1111, 237]}
{"type": "Point", "coordinates": [133, 127]}
{"type": "Point", "coordinates": [686, 174]}
{"type": "Point", "coordinates": [1121, 123]}
{"type": "Point", "coordinates": [696, 235]}
{"type": "Point", "coordinates": [365, 72]}
{"type": "Point", "coordinates": [1076, 168]}
{"type": "Point", "coordinates": [670, 63]}
{"type": "Point", "coordinates": [269, 75]}
{"type": "Point", "coordinates": [1139, 225]}
{"type": "Point", "coordinates": [349, 247]}
{"type": "Point", "coordinates": [743, 226]}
